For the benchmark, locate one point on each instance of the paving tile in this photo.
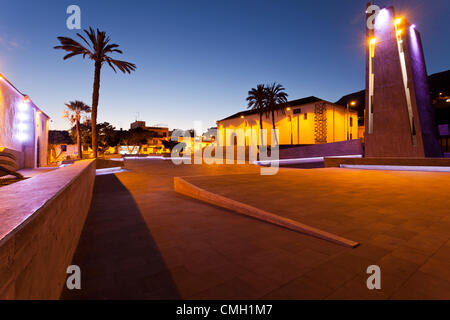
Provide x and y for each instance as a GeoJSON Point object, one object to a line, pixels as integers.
{"type": "Point", "coordinates": [438, 268]}
{"type": "Point", "coordinates": [410, 254]}
{"type": "Point", "coordinates": [330, 275]}
{"type": "Point", "coordinates": [351, 262]}
{"type": "Point", "coordinates": [356, 289]}
{"type": "Point", "coordinates": [424, 285]}
{"type": "Point", "coordinates": [246, 286]}
{"type": "Point", "coordinates": [302, 288]}
{"type": "Point", "coordinates": [370, 251]}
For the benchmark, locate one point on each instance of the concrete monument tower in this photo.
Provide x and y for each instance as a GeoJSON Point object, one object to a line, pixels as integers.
{"type": "Point", "coordinates": [399, 117]}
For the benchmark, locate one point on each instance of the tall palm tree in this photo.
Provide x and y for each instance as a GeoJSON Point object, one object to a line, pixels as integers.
{"type": "Point", "coordinates": [276, 101]}
{"type": "Point", "coordinates": [257, 101]}
{"type": "Point", "coordinates": [97, 49]}
{"type": "Point", "coordinates": [74, 112]}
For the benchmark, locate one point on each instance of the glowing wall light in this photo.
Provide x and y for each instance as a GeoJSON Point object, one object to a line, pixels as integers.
{"type": "Point", "coordinates": [382, 19]}
{"type": "Point", "coordinates": [23, 120]}
{"type": "Point", "coordinates": [401, 53]}
{"type": "Point", "coordinates": [22, 126]}
{"type": "Point", "coordinates": [372, 43]}
{"type": "Point", "coordinates": [22, 117]}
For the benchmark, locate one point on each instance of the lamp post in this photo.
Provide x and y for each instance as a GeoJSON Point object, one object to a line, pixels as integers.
{"type": "Point", "coordinates": [288, 109]}
{"type": "Point", "coordinates": [351, 103]}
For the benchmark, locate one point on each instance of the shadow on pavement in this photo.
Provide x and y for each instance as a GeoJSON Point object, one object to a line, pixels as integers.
{"type": "Point", "coordinates": [116, 253]}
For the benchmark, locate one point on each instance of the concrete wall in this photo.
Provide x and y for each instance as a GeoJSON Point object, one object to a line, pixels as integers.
{"type": "Point", "coordinates": [23, 127]}
{"type": "Point", "coordinates": [341, 148]}
{"type": "Point", "coordinates": [41, 220]}
{"type": "Point", "coordinates": [294, 127]}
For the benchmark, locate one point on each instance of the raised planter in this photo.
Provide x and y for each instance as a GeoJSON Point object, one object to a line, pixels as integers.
{"type": "Point", "coordinates": [41, 220]}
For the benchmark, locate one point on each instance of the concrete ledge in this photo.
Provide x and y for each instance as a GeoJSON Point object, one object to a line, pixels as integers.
{"type": "Point", "coordinates": [424, 162]}
{"type": "Point", "coordinates": [183, 187]}
{"type": "Point", "coordinates": [41, 220]}
{"type": "Point", "coordinates": [341, 148]}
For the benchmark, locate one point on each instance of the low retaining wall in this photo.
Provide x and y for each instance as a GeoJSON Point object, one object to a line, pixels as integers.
{"type": "Point", "coordinates": [183, 187]}
{"type": "Point", "coordinates": [41, 220]}
{"type": "Point", "coordinates": [341, 148]}
{"type": "Point", "coordinates": [429, 162]}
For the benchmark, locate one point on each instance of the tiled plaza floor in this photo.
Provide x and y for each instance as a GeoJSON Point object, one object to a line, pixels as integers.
{"type": "Point", "coordinates": [143, 241]}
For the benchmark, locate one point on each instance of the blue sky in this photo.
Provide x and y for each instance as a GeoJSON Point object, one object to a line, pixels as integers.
{"type": "Point", "coordinates": [196, 60]}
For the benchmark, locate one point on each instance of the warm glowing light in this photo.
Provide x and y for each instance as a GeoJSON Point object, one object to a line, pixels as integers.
{"type": "Point", "coordinates": [372, 41]}
{"type": "Point", "coordinates": [399, 32]}
{"type": "Point", "coordinates": [448, 100]}
{"type": "Point", "coordinates": [397, 21]}
{"type": "Point", "coordinates": [352, 103]}
{"type": "Point", "coordinates": [288, 109]}
{"type": "Point", "coordinates": [242, 117]}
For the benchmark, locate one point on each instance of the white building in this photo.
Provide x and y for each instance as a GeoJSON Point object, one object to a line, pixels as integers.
{"type": "Point", "coordinates": [23, 127]}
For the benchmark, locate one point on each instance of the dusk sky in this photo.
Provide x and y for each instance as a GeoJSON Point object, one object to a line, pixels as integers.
{"type": "Point", "coordinates": [196, 60]}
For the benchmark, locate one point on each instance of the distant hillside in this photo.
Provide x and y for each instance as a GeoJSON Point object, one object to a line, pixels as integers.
{"type": "Point", "coordinates": [439, 84]}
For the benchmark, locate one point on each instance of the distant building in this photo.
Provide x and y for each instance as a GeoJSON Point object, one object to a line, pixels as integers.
{"type": "Point", "coordinates": [23, 127]}
{"type": "Point", "coordinates": [61, 146]}
{"type": "Point", "coordinates": [137, 124]}
{"type": "Point", "coordinates": [303, 122]}
{"type": "Point", "coordinates": [159, 131]}
{"type": "Point", "coordinates": [154, 139]}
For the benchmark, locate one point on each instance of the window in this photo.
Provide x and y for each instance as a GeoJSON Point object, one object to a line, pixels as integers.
{"type": "Point", "coordinates": [306, 116]}
{"type": "Point", "coordinates": [297, 111]}
{"type": "Point", "coordinates": [351, 122]}
{"type": "Point", "coordinates": [63, 148]}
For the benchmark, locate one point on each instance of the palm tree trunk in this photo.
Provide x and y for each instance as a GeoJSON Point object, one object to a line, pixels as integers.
{"type": "Point", "coordinates": [95, 96]}
{"type": "Point", "coordinates": [261, 131]}
{"type": "Point", "coordinates": [80, 152]}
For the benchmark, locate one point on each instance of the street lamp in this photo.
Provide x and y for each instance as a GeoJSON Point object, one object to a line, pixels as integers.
{"type": "Point", "coordinates": [288, 109]}
{"type": "Point", "coordinates": [351, 103]}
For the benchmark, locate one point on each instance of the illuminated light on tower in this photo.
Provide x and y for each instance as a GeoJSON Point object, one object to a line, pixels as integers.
{"type": "Point", "coordinates": [382, 18]}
